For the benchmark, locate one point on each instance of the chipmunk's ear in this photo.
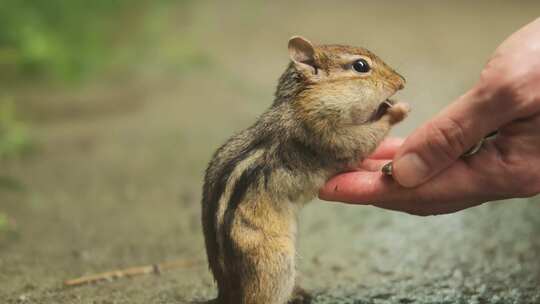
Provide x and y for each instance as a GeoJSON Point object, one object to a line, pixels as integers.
{"type": "Point", "coordinates": [302, 53]}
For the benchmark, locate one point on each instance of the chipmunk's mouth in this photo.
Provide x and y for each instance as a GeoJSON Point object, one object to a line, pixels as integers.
{"type": "Point", "coordinates": [382, 109]}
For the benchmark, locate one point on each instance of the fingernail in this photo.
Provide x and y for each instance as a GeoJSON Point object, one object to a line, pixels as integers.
{"type": "Point", "coordinates": [410, 170]}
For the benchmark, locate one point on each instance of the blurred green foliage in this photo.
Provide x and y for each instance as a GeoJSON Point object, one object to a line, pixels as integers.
{"type": "Point", "coordinates": [65, 39]}
{"type": "Point", "coordinates": [4, 222]}
{"type": "Point", "coordinates": [14, 138]}
{"type": "Point", "coordinates": [12, 184]}
{"type": "Point", "coordinates": [68, 41]}
{"type": "Point", "coordinates": [8, 227]}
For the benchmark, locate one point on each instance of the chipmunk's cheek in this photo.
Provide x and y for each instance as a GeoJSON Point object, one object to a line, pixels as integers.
{"type": "Point", "coordinates": [359, 115]}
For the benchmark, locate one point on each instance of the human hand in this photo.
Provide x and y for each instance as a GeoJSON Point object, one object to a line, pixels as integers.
{"type": "Point", "coordinates": [429, 175]}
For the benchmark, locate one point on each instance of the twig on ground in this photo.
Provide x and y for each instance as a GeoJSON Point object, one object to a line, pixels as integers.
{"type": "Point", "coordinates": [131, 272]}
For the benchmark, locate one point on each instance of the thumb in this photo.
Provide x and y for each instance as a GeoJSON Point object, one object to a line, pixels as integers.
{"type": "Point", "coordinates": [441, 141]}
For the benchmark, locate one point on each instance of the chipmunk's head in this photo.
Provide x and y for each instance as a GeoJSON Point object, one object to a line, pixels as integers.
{"type": "Point", "coordinates": [336, 84]}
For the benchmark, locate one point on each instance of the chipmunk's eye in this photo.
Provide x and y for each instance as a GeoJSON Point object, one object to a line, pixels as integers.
{"type": "Point", "coordinates": [361, 66]}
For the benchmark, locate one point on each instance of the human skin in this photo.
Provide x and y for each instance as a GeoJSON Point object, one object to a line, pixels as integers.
{"type": "Point", "coordinates": [429, 175]}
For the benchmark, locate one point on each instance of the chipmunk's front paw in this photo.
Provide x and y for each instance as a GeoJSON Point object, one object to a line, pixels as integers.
{"type": "Point", "coordinates": [398, 112]}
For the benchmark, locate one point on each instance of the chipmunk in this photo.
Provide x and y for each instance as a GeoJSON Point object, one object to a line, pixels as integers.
{"type": "Point", "coordinates": [331, 109]}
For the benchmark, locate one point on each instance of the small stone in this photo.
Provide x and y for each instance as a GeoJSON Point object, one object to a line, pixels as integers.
{"type": "Point", "coordinates": [387, 169]}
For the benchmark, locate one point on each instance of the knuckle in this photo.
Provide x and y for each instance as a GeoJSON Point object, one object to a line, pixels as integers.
{"type": "Point", "coordinates": [503, 87]}
{"type": "Point", "coordinates": [498, 74]}
{"type": "Point", "coordinates": [446, 139]}
{"type": "Point", "coordinates": [496, 79]}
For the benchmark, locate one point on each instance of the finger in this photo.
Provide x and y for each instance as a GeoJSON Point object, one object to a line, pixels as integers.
{"type": "Point", "coordinates": [358, 187]}
{"type": "Point", "coordinates": [387, 148]}
{"type": "Point", "coordinates": [454, 190]}
{"type": "Point", "coordinates": [441, 141]}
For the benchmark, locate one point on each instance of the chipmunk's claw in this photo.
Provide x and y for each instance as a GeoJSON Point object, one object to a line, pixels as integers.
{"type": "Point", "coordinates": [382, 109]}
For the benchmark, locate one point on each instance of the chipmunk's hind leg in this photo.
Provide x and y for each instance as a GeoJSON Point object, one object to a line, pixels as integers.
{"type": "Point", "coordinates": [264, 277]}
{"type": "Point", "coordinates": [259, 261]}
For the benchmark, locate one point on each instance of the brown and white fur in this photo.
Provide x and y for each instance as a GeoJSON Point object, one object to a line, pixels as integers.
{"type": "Point", "coordinates": [326, 117]}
